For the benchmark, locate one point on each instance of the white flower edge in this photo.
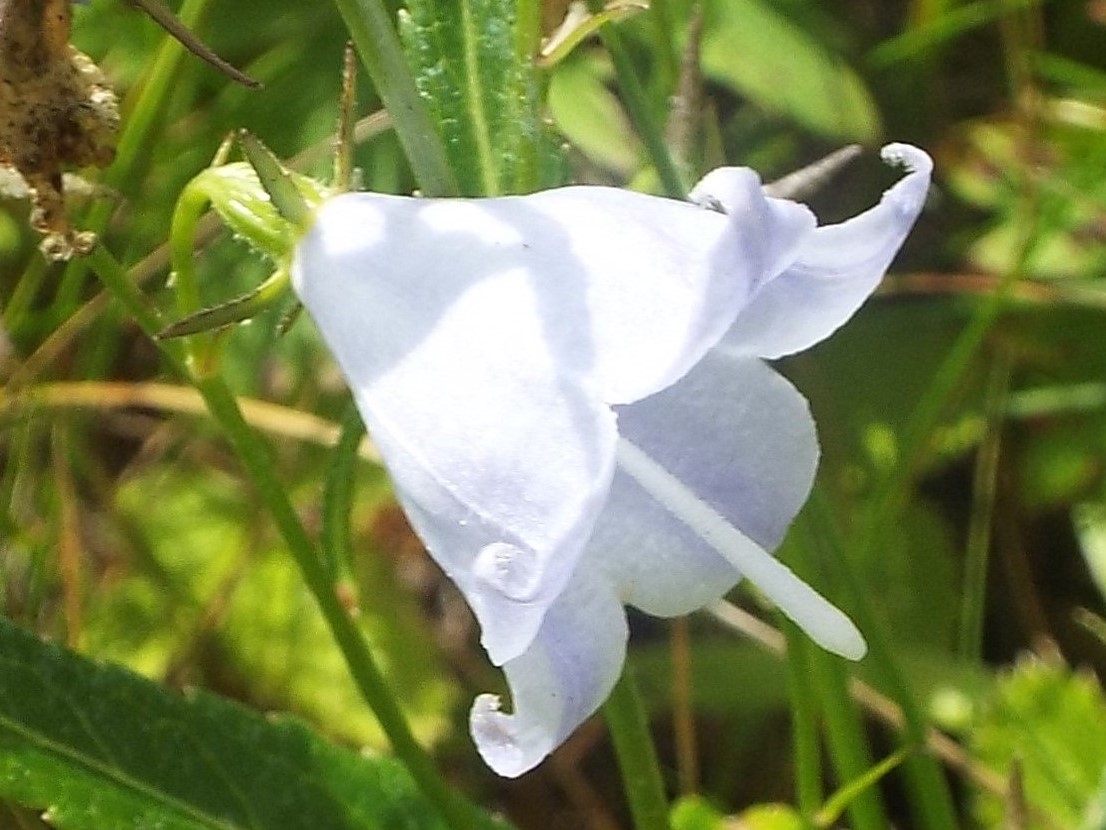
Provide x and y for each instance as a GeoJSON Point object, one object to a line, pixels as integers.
{"type": "Point", "coordinates": [668, 532]}
{"type": "Point", "coordinates": [485, 342]}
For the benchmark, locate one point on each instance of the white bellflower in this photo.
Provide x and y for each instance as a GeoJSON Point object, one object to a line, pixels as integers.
{"type": "Point", "coordinates": [569, 391]}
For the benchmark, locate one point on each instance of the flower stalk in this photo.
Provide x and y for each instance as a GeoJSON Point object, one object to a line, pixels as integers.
{"type": "Point", "coordinates": [255, 457]}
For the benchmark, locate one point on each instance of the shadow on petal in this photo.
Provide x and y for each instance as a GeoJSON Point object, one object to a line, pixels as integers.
{"type": "Point", "coordinates": [483, 340]}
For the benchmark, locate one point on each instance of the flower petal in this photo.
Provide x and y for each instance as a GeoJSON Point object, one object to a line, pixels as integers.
{"type": "Point", "coordinates": [483, 340]}
{"type": "Point", "coordinates": [661, 280]}
{"type": "Point", "coordinates": [559, 681]}
{"type": "Point", "coordinates": [773, 230]}
{"type": "Point", "coordinates": [737, 433]}
{"type": "Point", "coordinates": [738, 440]}
{"type": "Point", "coordinates": [741, 438]}
{"type": "Point", "coordinates": [822, 622]}
{"type": "Point", "coordinates": [836, 269]}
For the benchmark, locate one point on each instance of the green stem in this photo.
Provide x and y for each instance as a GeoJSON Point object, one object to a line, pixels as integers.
{"type": "Point", "coordinates": [847, 741]}
{"type": "Point", "coordinates": [978, 546]}
{"type": "Point", "coordinates": [848, 745]}
{"type": "Point", "coordinates": [804, 723]}
{"type": "Point", "coordinates": [338, 497]}
{"type": "Point", "coordinates": [116, 279]}
{"type": "Point", "coordinates": [378, 45]}
{"type": "Point", "coordinates": [892, 492]}
{"type": "Point", "coordinates": [255, 457]}
{"type": "Point", "coordinates": [637, 105]}
{"type": "Point", "coordinates": [131, 150]}
{"type": "Point", "coordinates": [637, 758]}
{"type": "Point", "coordinates": [926, 784]}
{"type": "Point", "coordinates": [147, 111]}
{"type": "Point", "coordinates": [664, 30]}
{"type": "Point", "coordinates": [20, 305]}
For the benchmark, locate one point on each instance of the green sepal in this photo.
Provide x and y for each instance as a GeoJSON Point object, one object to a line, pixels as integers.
{"type": "Point", "coordinates": [280, 183]}
{"type": "Point", "coordinates": [831, 811]}
{"type": "Point", "coordinates": [237, 193]}
{"type": "Point", "coordinates": [234, 311]}
{"type": "Point", "coordinates": [264, 204]}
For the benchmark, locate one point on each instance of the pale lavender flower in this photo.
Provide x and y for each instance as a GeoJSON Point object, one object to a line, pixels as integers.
{"type": "Point", "coordinates": [569, 392]}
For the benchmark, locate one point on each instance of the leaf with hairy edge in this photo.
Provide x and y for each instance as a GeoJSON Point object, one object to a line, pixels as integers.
{"type": "Point", "coordinates": [96, 746]}
{"type": "Point", "coordinates": [1048, 722]}
{"type": "Point", "coordinates": [482, 96]}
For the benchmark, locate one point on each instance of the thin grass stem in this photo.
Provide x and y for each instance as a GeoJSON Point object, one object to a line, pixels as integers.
{"type": "Point", "coordinates": [926, 784]}
{"type": "Point", "coordinates": [984, 483]}
{"type": "Point", "coordinates": [370, 27]}
{"type": "Point", "coordinates": [637, 104]}
{"type": "Point", "coordinates": [804, 724]}
{"type": "Point", "coordinates": [131, 152]}
{"type": "Point", "coordinates": [846, 738]}
{"type": "Point", "coordinates": [637, 758]}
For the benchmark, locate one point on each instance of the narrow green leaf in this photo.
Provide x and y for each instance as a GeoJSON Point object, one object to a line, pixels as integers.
{"type": "Point", "coordinates": [591, 117]}
{"type": "Point", "coordinates": [640, 110]}
{"type": "Point", "coordinates": [370, 27]}
{"type": "Point", "coordinates": [97, 747]}
{"type": "Point", "coordinates": [940, 30]}
{"type": "Point", "coordinates": [749, 46]}
{"type": "Point", "coordinates": [804, 723]}
{"type": "Point", "coordinates": [481, 93]}
{"type": "Point", "coordinates": [833, 808]}
{"type": "Point", "coordinates": [628, 723]}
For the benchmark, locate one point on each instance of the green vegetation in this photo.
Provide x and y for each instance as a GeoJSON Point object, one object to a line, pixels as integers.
{"type": "Point", "coordinates": [212, 612]}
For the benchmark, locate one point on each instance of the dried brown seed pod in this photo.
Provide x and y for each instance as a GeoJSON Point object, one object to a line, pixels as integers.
{"type": "Point", "coordinates": [56, 109]}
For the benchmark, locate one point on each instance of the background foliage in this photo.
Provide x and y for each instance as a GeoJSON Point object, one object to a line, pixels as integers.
{"type": "Point", "coordinates": [960, 513]}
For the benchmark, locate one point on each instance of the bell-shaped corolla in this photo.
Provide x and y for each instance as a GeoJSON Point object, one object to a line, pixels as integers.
{"type": "Point", "coordinates": [569, 392]}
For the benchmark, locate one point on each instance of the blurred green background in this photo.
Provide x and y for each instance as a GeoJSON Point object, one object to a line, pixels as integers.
{"type": "Point", "coordinates": [962, 413]}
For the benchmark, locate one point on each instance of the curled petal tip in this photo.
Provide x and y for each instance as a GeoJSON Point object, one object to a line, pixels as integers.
{"type": "Point", "coordinates": [496, 736]}
{"type": "Point", "coordinates": [914, 159]}
{"type": "Point", "coordinates": [910, 193]}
